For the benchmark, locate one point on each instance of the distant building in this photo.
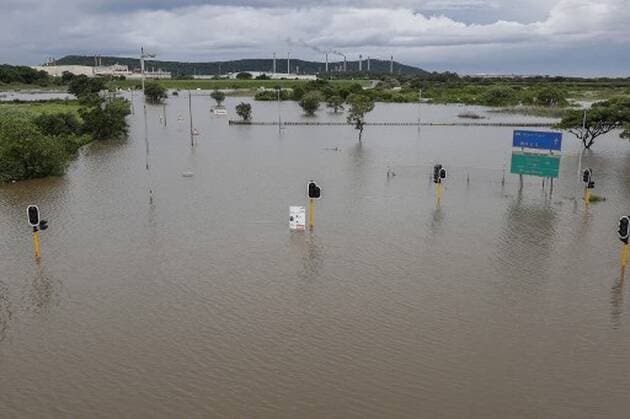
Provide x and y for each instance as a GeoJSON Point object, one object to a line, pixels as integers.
{"type": "Point", "coordinates": [112, 70]}
{"type": "Point", "coordinates": [116, 70]}
{"type": "Point", "coordinates": [155, 74]}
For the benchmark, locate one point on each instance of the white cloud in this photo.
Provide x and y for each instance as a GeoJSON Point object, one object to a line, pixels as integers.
{"type": "Point", "coordinates": [410, 33]}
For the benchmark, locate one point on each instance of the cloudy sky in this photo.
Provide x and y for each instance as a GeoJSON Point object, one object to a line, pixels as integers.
{"type": "Point", "coordinates": [575, 37]}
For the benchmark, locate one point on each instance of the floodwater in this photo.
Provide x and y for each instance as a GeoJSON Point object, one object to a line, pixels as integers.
{"type": "Point", "coordinates": [504, 302]}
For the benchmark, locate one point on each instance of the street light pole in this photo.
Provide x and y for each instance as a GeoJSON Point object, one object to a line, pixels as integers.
{"type": "Point", "coordinates": [142, 57]}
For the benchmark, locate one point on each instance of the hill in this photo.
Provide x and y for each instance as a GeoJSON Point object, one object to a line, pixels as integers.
{"type": "Point", "coordinates": [178, 68]}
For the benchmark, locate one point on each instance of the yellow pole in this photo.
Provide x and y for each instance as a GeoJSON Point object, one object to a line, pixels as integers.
{"type": "Point", "coordinates": [587, 196]}
{"type": "Point", "coordinates": [36, 243]}
{"type": "Point", "coordinates": [311, 213]}
{"type": "Point", "coordinates": [438, 192]}
{"type": "Point", "coordinates": [624, 257]}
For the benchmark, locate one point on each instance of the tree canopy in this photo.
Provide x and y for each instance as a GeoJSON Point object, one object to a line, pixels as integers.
{"type": "Point", "coordinates": [360, 106]}
{"type": "Point", "coordinates": [154, 92]}
{"type": "Point", "coordinates": [26, 153]}
{"type": "Point", "coordinates": [602, 118]}
{"type": "Point", "coordinates": [244, 110]}
{"type": "Point", "coordinates": [83, 86]}
{"type": "Point", "coordinates": [310, 102]}
{"type": "Point", "coordinates": [218, 96]}
{"type": "Point", "coordinates": [106, 120]}
{"type": "Point", "coordinates": [335, 103]}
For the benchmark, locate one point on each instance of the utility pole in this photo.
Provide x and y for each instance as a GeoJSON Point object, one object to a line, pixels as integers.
{"type": "Point", "coordinates": [391, 65]}
{"type": "Point", "coordinates": [288, 63]}
{"type": "Point", "coordinates": [360, 63]}
{"type": "Point", "coordinates": [419, 108]}
{"type": "Point", "coordinates": [279, 119]}
{"type": "Point", "coordinates": [142, 57]}
{"type": "Point", "coordinates": [192, 138]}
{"type": "Point", "coordinates": [274, 63]}
{"type": "Point", "coordinates": [368, 64]}
{"type": "Point", "coordinates": [326, 62]}
{"type": "Point", "coordinates": [579, 171]}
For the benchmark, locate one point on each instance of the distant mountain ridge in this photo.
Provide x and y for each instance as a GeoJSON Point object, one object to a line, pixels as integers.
{"type": "Point", "coordinates": [179, 68]}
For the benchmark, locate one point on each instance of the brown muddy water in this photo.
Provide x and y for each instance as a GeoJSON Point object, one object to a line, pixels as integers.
{"type": "Point", "coordinates": [504, 302]}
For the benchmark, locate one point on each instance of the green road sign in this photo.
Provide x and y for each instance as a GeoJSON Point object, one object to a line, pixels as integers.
{"type": "Point", "coordinates": [541, 165]}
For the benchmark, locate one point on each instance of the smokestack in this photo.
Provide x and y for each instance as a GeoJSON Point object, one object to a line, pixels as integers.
{"type": "Point", "coordinates": [288, 63]}
{"type": "Point", "coordinates": [360, 63]}
{"type": "Point", "coordinates": [326, 62]}
{"type": "Point", "coordinates": [391, 65]}
{"type": "Point", "coordinates": [274, 63]}
{"type": "Point", "coordinates": [368, 65]}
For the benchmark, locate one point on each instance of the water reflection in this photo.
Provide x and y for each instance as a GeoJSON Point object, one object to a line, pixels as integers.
{"type": "Point", "coordinates": [5, 310]}
{"type": "Point", "coordinates": [44, 292]}
{"type": "Point", "coordinates": [616, 301]}
{"type": "Point", "coordinates": [525, 243]}
{"type": "Point", "coordinates": [309, 249]}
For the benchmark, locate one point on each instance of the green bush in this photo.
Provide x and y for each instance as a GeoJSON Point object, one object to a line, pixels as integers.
{"type": "Point", "coordinates": [56, 124]}
{"type": "Point", "coordinates": [106, 120]}
{"type": "Point", "coordinates": [310, 102]}
{"type": "Point", "coordinates": [26, 153]}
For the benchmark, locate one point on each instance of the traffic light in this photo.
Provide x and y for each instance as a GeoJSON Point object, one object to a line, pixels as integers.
{"type": "Point", "coordinates": [313, 191]}
{"type": "Point", "coordinates": [587, 176]}
{"type": "Point", "coordinates": [591, 184]}
{"type": "Point", "coordinates": [624, 229]}
{"type": "Point", "coordinates": [43, 225]}
{"type": "Point", "coordinates": [442, 174]}
{"type": "Point", "coordinates": [436, 173]}
{"type": "Point", "coordinates": [33, 215]}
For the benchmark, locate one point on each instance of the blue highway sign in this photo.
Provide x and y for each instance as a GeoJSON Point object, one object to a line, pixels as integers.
{"type": "Point", "coordinates": [537, 139]}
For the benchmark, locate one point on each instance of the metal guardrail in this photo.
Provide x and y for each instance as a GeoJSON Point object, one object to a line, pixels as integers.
{"type": "Point", "coordinates": [400, 124]}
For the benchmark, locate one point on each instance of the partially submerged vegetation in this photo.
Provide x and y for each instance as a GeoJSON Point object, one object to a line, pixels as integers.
{"type": "Point", "coordinates": [39, 139]}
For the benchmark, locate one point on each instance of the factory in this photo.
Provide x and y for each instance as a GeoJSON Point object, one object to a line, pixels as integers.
{"type": "Point", "coordinates": [116, 70]}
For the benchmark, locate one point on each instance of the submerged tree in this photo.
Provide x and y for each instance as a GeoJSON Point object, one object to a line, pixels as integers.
{"type": "Point", "coordinates": [360, 106]}
{"type": "Point", "coordinates": [244, 110]}
{"type": "Point", "coordinates": [335, 103]}
{"type": "Point", "coordinates": [602, 118]}
{"type": "Point", "coordinates": [218, 96]}
{"type": "Point", "coordinates": [310, 102]}
{"type": "Point", "coordinates": [154, 92]}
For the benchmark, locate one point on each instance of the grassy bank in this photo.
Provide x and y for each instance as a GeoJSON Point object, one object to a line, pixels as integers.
{"type": "Point", "coordinates": [41, 107]}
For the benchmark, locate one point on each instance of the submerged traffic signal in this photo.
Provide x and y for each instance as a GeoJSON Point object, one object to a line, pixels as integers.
{"type": "Point", "coordinates": [313, 191]}
{"type": "Point", "coordinates": [587, 176]}
{"type": "Point", "coordinates": [624, 229]}
{"type": "Point", "coordinates": [33, 215]}
{"type": "Point", "coordinates": [436, 173]}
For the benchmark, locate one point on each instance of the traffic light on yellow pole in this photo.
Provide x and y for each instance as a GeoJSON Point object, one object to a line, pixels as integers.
{"type": "Point", "coordinates": [32, 213]}
{"type": "Point", "coordinates": [624, 233]}
{"type": "Point", "coordinates": [439, 176]}
{"type": "Point", "coordinates": [589, 184]}
{"type": "Point", "coordinates": [313, 193]}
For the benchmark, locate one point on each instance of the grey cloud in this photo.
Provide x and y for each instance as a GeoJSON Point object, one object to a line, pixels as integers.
{"type": "Point", "coordinates": [417, 32]}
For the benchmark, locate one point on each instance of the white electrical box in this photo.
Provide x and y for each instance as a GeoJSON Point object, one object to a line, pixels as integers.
{"type": "Point", "coordinates": [297, 218]}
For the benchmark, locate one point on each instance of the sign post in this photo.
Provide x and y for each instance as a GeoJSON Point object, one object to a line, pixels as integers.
{"type": "Point", "coordinates": [297, 218]}
{"type": "Point", "coordinates": [313, 192]}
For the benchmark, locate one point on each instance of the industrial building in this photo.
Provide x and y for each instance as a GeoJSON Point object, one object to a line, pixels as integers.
{"type": "Point", "coordinates": [116, 70]}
